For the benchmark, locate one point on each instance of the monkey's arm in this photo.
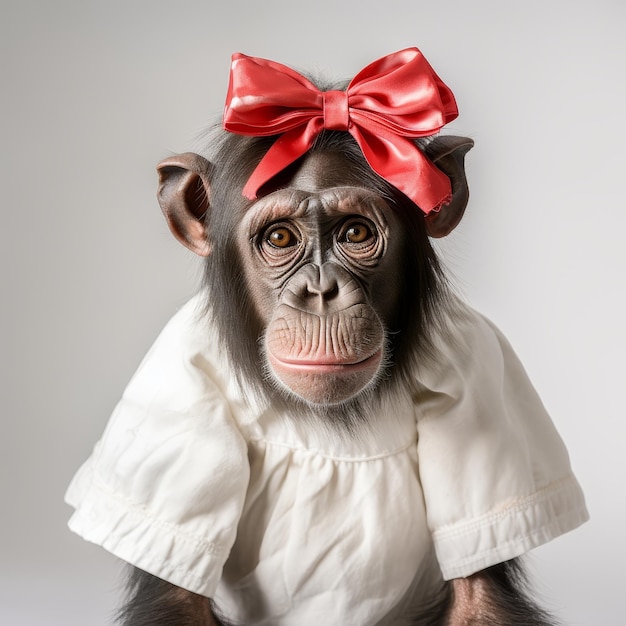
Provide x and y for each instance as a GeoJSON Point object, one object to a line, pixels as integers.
{"type": "Point", "coordinates": [497, 596]}
{"type": "Point", "coordinates": [155, 602]}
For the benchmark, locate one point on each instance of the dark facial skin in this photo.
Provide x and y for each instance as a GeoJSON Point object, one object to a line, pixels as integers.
{"type": "Point", "coordinates": [318, 257]}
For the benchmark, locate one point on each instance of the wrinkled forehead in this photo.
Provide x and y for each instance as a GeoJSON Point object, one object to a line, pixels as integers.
{"type": "Point", "coordinates": [324, 186]}
{"type": "Point", "coordinates": [345, 199]}
{"type": "Point", "coordinates": [324, 170]}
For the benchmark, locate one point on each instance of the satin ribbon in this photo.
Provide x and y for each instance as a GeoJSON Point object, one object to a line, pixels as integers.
{"type": "Point", "coordinates": [391, 101]}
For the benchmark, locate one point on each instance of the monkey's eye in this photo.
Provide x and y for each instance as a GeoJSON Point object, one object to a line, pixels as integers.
{"type": "Point", "coordinates": [280, 237]}
{"type": "Point", "coordinates": [357, 233]}
{"type": "Point", "coordinates": [359, 241]}
{"type": "Point", "coordinates": [280, 243]}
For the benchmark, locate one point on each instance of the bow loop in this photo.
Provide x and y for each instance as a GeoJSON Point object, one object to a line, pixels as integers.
{"type": "Point", "coordinates": [267, 98]}
{"type": "Point", "coordinates": [390, 102]}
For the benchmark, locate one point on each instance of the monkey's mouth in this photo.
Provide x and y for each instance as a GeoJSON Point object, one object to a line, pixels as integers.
{"type": "Point", "coordinates": [326, 379]}
{"type": "Point", "coordinates": [327, 365]}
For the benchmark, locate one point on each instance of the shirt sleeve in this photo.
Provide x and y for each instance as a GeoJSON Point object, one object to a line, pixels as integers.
{"type": "Point", "coordinates": [165, 486]}
{"type": "Point", "coordinates": [496, 476]}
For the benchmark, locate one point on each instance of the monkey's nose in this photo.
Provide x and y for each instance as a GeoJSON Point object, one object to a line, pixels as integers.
{"type": "Point", "coordinates": [318, 289]}
{"type": "Point", "coordinates": [322, 282]}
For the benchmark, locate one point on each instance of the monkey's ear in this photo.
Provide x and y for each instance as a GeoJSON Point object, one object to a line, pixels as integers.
{"type": "Point", "coordinates": [184, 198]}
{"type": "Point", "coordinates": [448, 154]}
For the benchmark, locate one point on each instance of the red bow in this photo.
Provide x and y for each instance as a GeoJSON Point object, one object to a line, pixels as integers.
{"type": "Point", "coordinates": [393, 99]}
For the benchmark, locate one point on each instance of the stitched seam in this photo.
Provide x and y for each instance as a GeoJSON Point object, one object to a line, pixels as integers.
{"type": "Point", "coordinates": [179, 569]}
{"type": "Point", "coordinates": [142, 512]}
{"type": "Point", "coordinates": [502, 547]}
{"type": "Point", "coordinates": [488, 519]}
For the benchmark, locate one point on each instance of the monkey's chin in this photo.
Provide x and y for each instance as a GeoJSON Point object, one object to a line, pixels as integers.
{"type": "Point", "coordinates": [326, 382]}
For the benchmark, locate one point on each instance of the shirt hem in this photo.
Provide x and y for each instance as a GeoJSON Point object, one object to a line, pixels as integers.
{"type": "Point", "coordinates": [467, 547]}
{"type": "Point", "coordinates": [155, 546]}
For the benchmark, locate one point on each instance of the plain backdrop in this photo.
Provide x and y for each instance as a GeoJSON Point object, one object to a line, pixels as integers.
{"type": "Point", "coordinates": [95, 93]}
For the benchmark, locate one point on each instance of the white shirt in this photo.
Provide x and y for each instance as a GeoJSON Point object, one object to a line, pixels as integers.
{"type": "Point", "coordinates": [282, 522]}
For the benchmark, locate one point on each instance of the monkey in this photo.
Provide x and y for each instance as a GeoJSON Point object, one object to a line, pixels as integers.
{"type": "Point", "coordinates": [326, 431]}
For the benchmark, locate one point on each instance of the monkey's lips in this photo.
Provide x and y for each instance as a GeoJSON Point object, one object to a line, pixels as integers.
{"type": "Point", "coordinates": [328, 366]}
{"type": "Point", "coordinates": [326, 380]}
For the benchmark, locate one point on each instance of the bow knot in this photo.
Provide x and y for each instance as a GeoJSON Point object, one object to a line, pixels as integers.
{"type": "Point", "coordinates": [336, 110]}
{"type": "Point", "coordinates": [385, 107]}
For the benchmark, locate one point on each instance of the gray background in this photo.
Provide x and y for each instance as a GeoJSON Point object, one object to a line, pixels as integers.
{"type": "Point", "coordinates": [95, 93]}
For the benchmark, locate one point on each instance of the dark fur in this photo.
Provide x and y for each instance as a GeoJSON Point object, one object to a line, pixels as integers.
{"type": "Point", "coordinates": [154, 602]}
{"type": "Point", "coordinates": [509, 602]}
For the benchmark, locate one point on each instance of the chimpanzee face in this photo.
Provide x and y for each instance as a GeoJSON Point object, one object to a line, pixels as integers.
{"type": "Point", "coordinates": [320, 257]}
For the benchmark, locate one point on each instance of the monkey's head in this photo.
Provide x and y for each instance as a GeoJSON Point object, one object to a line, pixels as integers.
{"type": "Point", "coordinates": [326, 281]}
